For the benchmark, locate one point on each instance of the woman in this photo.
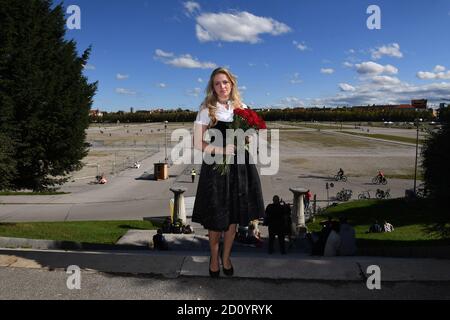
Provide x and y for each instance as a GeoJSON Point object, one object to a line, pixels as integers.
{"type": "Point", "coordinates": [223, 200]}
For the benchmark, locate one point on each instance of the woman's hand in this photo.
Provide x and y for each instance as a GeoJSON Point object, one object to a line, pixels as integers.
{"type": "Point", "coordinates": [229, 149]}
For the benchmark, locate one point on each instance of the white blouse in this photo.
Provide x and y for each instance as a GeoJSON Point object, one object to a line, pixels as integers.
{"type": "Point", "coordinates": [222, 114]}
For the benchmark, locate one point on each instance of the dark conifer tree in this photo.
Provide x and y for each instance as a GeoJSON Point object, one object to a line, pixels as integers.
{"type": "Point", "coordinates": [436, 170]}
{"type": "Point", "coordinates": [45, 98]}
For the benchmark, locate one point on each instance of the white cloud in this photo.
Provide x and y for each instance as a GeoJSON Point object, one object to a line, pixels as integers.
{"type": "Point", "coordinates": [371, 67]}
{"type": "Point", "coordinates": [439, 68]}
{"type": "Point", "coordinates": [300, 46]}
{"type": "Point", "coordinates": [385, 80]}
{"type": "Point", "coordinates": [194, 92]}
{"type": "Point", "coordinates": [191, 7]}
{"type": "Point", "coordinates": [291, 99]}
{"type": "Point", "coordinates": [250, 64]}
{"type": "Point", "coordinates": [183, 61]}
{"type": "Point", "coordinates": [89, 67]}
{"type": "Point", "coordinates": [346, 87]}
{"type": "Point", "coordinates": [125, 91]}
{"type": "Point", "coordinates": [236, 27]}
{"type": "Point", "coordinates": [200, 80]}
{"type": "Point", "coordinates": [163, 54]}
{"type": "Point", "coordinates": [162, 85]}
{"type": "Point", "coordinates": [391, 50]}
{"type": "Point", "coordinates": [425, 75]}
{"type": "Point", "coordinates": [291, 102]}
{"type": "Point", "coordinates": [122, 76]}
{"type": "Point", "coordinates": [372, 93]}
{"type": "Point", "coordinates": [296, 79]}
{"type": "Point", "coordinates": [347, 64]}
{"type": "Point", "coordinates": [187, 61]}
{"type": "Point", "coordinates": [439, 73]}
{"type": "Point", "coordinates": [242, 88]}
{"type": "Point", "coordinates": [327, 70]}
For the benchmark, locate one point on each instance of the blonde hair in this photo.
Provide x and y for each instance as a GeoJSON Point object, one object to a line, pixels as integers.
{"type": "Point", "coordinates": [254, 224]}
{"type": "Point", "coordinates": [211, 99]}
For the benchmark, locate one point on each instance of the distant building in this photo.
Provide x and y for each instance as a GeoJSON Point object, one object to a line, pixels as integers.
{"type": "Point", "coordinates": [419, 104]}
{"type": "Point", "coordinates": [131, 110]}
{"type": "Point", "coordinates": [415, 104]}
{"type": "Point", "coordinates": [95, 113]}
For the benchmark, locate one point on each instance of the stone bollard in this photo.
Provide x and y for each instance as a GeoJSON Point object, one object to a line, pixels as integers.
{"type": "Point", "coordinates": [179, 209]}
{"type": "Point", "coordinates": [298, 211]}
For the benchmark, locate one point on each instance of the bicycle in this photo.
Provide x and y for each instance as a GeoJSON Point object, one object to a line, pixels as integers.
{"type": "Point", "coordinates": [421, 192]}
{"type": "Point", "coordinates": [344, 195]}
{"type": "Point", "coordinates": [340, 177]}
{"type": "Point", "coordinates": [379, 180]}
{"type": "Point", "coordinates": [364, 195]}
{"type": "Point", "coordinates": [383, 194]}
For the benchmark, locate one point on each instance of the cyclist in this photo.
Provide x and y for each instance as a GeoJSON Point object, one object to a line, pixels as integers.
{"type": "Point", "coordinates": [340, 173]}
{"type": "Point", "coordinates": [380, 175]}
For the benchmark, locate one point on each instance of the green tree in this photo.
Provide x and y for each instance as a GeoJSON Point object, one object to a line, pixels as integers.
{"type": "Point", "coordinates": [436, 170]}
{"type": "Point", "coordinates": [7, 163]}
{"type": "Point", "coordinates": [42, 82]}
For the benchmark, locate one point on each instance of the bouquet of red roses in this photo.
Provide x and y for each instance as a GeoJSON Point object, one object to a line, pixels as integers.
{"type": "Point", "coordinates": [247, 119]}
{"type": "Point", "coordinates": [244, 119]}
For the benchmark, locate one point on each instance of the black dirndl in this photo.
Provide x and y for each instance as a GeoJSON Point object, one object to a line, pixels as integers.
{"type": "Point", "coordinates": [233, 198]}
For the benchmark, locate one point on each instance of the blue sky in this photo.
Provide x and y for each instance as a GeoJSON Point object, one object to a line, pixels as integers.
{"type": "Point", "coordinates": [149, 54]}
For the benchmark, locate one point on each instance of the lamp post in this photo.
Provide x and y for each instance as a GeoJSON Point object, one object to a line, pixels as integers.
{"type": "Point", "coordinates": [417, 151]}
{"type": "Point", "coordinates": [165, 141]}
{"type": "Point", "coordinates": [328, 186]}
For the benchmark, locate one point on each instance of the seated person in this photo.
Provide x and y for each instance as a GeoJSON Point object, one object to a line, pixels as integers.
{"type": "Point", "coordinates": [387, 227]}
{"type": "Point", "coordinates": [375, 228]}
{"type": "Point", "coordinates": [340, 172]}
{"type": "Point", "coordinates": [159, 241]}
{"type": "Point", "coordinates": [333, 243]}
{"type": "Point", "coordinates": [254, 236]}
{"type": "Point", "coordinates": [348, 239]}
{"type": "Point", "coordinates": [167, 225]}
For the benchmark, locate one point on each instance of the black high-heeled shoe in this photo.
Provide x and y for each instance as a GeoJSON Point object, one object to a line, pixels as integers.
{"type": "Point", "coordinates": [213, 274]}
{"type": "Point", "coordinates": [227, 272]}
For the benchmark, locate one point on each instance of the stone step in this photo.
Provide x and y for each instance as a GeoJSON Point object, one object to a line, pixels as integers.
{"type": "Point", "coordinates": [200, 242]}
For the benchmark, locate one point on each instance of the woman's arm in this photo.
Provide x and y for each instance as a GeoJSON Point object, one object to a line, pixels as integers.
{"type": "Point", "coordinates": [201, 145]}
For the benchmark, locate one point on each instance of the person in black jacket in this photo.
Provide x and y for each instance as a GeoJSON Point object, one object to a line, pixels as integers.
{"type": "Point", "coordinates": [276, 220]}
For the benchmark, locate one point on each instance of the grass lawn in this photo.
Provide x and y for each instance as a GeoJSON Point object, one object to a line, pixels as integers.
{"type": "Point", "coordinates": [410, 220]}
{"type": "Point", "coordinates": [385, 137]}
{"type": "Point", "coordinates": [323, 140]}
{"type": "Point", "coordinates": [107, 232]}
{"type": "Point", "coordinates": [20, 193]}
{"type": "Point", "coordinates": [317, 126]}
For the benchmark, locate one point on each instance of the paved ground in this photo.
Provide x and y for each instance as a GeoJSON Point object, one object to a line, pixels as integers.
{"type": "Point", "coordinates": [42, 284]}
{"type": "Point", "coordinates": [307, 159]}
{"type": "Point", "coordinates": [175, 275]}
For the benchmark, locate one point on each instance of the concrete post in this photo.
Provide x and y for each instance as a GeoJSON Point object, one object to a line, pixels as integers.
{"type": "Point", "coordinates": [179, 209]}
{"type": "Point", "coordinates": [315, 205]}
{"type": "Point", "coordinates": [298, 210]}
